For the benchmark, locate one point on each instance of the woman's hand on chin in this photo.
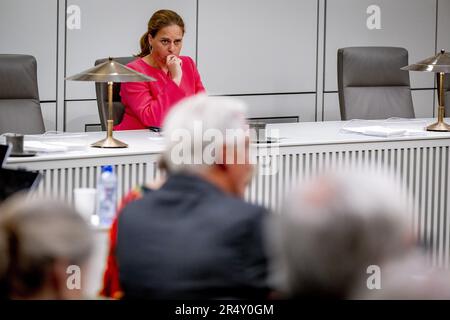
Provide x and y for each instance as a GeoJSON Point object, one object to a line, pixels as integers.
{"type": "Point", "coordinates": [174, 66]}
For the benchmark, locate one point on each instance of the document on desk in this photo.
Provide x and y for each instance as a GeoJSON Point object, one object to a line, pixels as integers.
{"type": "Point", "coordinates": [54, 142]}
{"type": "Point", "coordinates": [54, 146]}
{"type": "Point", "coordinates": [381, 131]}
{"type": "Point", "coordinates": [392, 127]}
{"type": "Point", "coordinates": [56, 135]}
{"type": "Point", "coordinates": [156, 139]}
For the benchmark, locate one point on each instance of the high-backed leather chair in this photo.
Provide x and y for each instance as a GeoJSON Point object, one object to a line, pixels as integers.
{"type": "Point", "coordinates": [101, 89]}
{"type": "Point", "coordinates": [20, 109]}
{"type": "Point", "coordinates": [371, 84]}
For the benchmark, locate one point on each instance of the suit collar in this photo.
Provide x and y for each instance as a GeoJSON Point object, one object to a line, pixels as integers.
{"type": "Point", "coordinates": [190, 182]}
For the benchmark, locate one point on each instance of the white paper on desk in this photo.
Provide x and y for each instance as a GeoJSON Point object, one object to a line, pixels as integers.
{"type": "Point", "coordinates": [51, 136]}
{"type": "Point", "coordinates": [58, 135]}
{"type": "Point", "coordinates": [70, 145]}
{"type": "Point", "coordinates": [156, 139]}
{"type": "Point", "coordinates": [54, 146]}
{"type": "Point", "coordinates": [380, 131]}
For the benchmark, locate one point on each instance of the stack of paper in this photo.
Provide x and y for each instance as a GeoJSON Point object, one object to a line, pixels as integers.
{"type": "Point", "coordinates": [386, 132]}
{"type": "Point", "coordinates": [53, 146]}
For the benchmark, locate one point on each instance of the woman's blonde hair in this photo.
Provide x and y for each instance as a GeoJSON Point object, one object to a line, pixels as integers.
{"type": "Point", "coordinates": [160, 19]}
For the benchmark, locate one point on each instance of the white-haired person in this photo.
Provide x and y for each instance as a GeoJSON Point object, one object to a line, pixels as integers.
{"type": "Point", "coordinates": [44, 246]}
{"type": "Point", "coordinates": [196, 237]}
{"type": "Point", "coordinates": [333, 234]}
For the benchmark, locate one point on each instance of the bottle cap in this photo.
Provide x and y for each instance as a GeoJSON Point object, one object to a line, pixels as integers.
{"type": "Point", "coordinates": [107, 168]}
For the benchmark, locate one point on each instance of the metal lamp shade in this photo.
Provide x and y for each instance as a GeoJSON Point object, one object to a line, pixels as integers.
{"type": "Point", "coordinates": [110, 71]}
{"type": "Point", "coordinates": [439, 64]}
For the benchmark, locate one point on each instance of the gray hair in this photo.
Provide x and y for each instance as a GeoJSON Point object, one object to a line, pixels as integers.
{"type": "Point", "coordinates": [332, 230]}
{"type": "Point", "coordinates": [194, 123]}
{"type": "Point", "coordinates": [33, 235]}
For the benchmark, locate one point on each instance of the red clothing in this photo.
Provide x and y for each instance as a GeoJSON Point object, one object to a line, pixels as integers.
{"type": "Point", "coordinates": [147, 103]}
{"type": "Point", "coordinates": [111, 284]}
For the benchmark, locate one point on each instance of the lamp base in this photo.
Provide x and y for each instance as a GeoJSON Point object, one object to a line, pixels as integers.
{"type": "Point", "coordinates": [439, 126]}
{"type": "Point", "coordinates": [109, 142]}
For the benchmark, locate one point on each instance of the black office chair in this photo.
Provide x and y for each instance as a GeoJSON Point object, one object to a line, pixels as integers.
{"type": "Point", "coordinates": [20, 109]}
{"type": "Point", "coordinates": [371, 84]}
{"type": "Point", "coordinates": [101, 89]}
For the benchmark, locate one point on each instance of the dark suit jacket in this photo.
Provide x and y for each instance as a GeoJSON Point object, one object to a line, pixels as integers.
{"type": "Point", "coordinates": [190, 240]}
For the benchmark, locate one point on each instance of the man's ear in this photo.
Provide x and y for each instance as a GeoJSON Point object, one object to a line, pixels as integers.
{"type": "Point", "coordinates": [223, 166]}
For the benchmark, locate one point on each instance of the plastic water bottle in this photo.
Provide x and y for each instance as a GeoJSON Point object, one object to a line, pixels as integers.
{"type": "Point", "coordinates": [107, 196]}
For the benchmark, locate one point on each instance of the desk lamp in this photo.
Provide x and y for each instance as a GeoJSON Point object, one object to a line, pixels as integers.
{"type": "Point", "coordinates": [439, 64]}
{"type": "Point", "coordinates": [110, 71]}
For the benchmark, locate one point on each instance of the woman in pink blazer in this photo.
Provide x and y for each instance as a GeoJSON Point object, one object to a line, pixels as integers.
{"type": "Point", "coordinates": [147, 103]}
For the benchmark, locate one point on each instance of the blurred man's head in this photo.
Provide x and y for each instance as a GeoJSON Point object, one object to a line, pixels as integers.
{"type": "Point", "coordinates": [42, 243]}
{"type": "Point", "coordinates": [208, 136]}
{"type": "Point", "coordinates": [333, 229]}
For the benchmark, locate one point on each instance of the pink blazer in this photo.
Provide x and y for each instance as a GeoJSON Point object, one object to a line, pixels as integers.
{"type": "Point", "coordinates": [147, 103]}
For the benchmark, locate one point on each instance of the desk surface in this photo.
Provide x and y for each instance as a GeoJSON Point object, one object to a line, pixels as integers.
{"type": "Point", "coordinates": [329, 132]}
{"type": "Point", "coordinates": [292, 134]}
{"type": "Point", "coordinates": [139, 142]}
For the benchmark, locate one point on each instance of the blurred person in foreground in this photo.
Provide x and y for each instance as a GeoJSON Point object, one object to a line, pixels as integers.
{"type": "Point", "coordinates": [195, 237]}
{"type": "Point", "coordinates": [332, 230]}
{"type": "Point", "coordinates": [40, 243]}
